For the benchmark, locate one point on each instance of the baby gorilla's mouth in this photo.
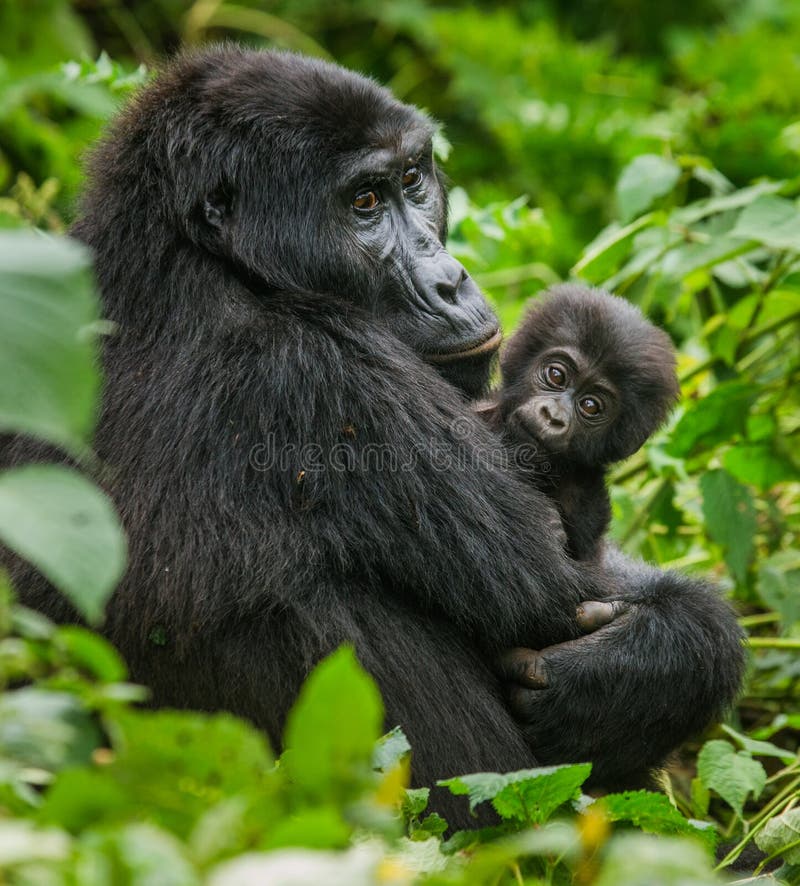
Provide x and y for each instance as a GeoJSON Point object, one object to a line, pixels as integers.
{"type": "Point", "coordinates": [487, 346]}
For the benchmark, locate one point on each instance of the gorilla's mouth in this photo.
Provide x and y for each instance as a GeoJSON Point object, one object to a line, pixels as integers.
{"type": "Point", "coordinates": [486, 346]}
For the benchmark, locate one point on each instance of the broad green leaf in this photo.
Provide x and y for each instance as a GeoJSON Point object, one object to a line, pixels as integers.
{"type": "Point", "coordinates": [314, 828]}
{"type": "Point", "coordinates": [758, 465]}
{"type": "Point", "coordinates": [148, 855]}
{"type": "Point", "coordinates": [530, 795]}
{"type": "Point", "coordinates": [641, 860]}
{"type": "Point", "coordinates": [779, 585]}
{"type": "Point", "coordinates": [732, 774]}
{"type": "Point", "coordinates": [175, 764]}
{"type": "Point", "coordinates": [759, 748]}
{"type": "Point", "coordinates": [81, 798]}
{"type": "Point", "coordinates": [773, 221]}
{"type": "Point", "coordinates": [730, 517]}
{"type": "Point", "coordinates": [332, 729]}
{"type": "Point", "coordinates": [782, 834]}
{"type": "Point", "coordinates": [390, 750]}
{"type": "Point", "coordinates": [651, 812]}
{"type": "Point", "coordinates": [688, 215]}
{"type": "Point", "coordinates": [46, 730]}
{"type": "Point", "coordinates": [714, 419]}
{"type": "Point", "coordinates": [67, 528]}
{"type": "Point", "coordinates": [643, 180]}
{"type": "Point", "coordinates": [49, 383]}
{"type": "Point", "coordinates": [22, 841]}
{"type": "Point", "coordinates": [92, 653]}
{"type": "Point", "coordinates": [605, 253]}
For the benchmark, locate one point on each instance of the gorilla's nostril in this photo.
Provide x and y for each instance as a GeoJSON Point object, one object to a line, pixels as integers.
{"type": "Point", "coordinates": [447, 292]}
{"type": "Point", "coordinates": [553, 420]}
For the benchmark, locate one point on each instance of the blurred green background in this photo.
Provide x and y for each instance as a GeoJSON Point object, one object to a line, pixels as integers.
{"type": "Point", "coordinates": [651, 148]}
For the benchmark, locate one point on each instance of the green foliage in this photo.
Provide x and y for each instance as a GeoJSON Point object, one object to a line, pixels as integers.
{"type": "Point", "coordinates": [662, 154]}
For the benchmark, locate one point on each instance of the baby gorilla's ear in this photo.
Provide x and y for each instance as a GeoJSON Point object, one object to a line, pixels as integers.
{"type": "Point", "coordinates": [488, 411]}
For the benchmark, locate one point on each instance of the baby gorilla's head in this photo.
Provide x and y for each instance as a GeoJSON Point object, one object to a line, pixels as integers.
{"type": "Point", "coordinates": [586, 377]}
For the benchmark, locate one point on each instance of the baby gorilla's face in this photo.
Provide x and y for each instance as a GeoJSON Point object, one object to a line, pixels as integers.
{"type": "Point", "coordinates": [568, 406]}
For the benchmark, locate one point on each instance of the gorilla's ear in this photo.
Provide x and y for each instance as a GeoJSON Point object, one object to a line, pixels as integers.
{"type": "Point", "coordinates": [217, 208]}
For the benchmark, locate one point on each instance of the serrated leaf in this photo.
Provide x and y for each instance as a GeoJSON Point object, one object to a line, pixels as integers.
{"type": "Point", "coordinates": [782, 835]}
{"type": "Point", "coordinates": [67, 528]}
{"type": "Point", "coordinates": [415, 801]}
{"type": "Point", "coordinates": [651, 812]}
{"type": "Point", "coordinates": [643, 180]}
{"type": "Point", "coordinates": [530, 795]}
{"type": "Point", "coordinates": [333, 727]}
{"type": "Point", "coordinates": [730, 517]}
{"type": "Point", "coordinates": [770, 220]}
{"type": "Point", "coordinates": [732, 774]}
{"type": "Point", "coordinates": [49, 383]}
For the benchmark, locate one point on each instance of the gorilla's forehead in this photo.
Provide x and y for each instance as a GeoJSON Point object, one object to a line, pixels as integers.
{"type": "Point", "coordinates": [315, 100]}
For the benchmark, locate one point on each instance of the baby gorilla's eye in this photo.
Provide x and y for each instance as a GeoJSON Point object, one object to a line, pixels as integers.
{"type": "Point", "coordinates": [555, 375]}
{"type": "Point", "coordinates": [591, 406]}
{"type": "Point", "coordinates": [365, 201]}
{"type": "Point", "coordinates": [412, 177]}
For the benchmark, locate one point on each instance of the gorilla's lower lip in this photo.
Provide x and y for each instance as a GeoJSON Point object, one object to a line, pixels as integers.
{"type": "Point", "coordinates": [487, 346]}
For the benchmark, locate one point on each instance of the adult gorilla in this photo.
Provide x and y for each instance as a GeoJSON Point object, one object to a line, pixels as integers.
{"type": "Point", "coordinates": [294, 472]}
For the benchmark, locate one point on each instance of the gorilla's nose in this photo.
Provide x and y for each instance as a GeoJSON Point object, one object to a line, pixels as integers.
{"type": "Point", "coordinates": [552, 417]}
{"type": "Point", "coordinates": [451, 277]}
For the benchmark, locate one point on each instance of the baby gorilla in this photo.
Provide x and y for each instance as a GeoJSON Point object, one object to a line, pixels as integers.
{"type": "Point", "coordinates": [586, 379]}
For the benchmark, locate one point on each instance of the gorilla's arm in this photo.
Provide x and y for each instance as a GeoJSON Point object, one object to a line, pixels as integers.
{"type": "Point", "coordinates": [669, 660]}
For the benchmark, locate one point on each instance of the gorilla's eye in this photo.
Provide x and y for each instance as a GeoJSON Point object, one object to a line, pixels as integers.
{"type": "Point", "coordinates": [365, 201]}
{"type": "Point", "coordinates": [590, 406]}
{"type": "Point", "coordinates": [555, 375]}
{"type": "Point", "coordinates": [412, 177]}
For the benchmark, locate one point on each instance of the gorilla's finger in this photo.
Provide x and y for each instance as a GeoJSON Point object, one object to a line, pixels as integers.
{"type": "Point", "coordinates": [594, 614]}
{"type": "Point", "coordinates": [521, 702]}
{"type": "Point", "coordinates": [525, 667]}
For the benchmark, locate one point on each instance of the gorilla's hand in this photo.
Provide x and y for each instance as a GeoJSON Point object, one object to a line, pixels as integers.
{"type": "Point", "coordinates": [527, 669]}
{"type": "Point", "coordinates": [653, 671]}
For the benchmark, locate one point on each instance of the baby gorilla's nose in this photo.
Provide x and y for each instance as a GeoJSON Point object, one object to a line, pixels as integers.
{"type": "Point", "coordinates": [552, 417]}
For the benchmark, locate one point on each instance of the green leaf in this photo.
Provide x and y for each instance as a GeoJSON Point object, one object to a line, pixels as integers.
{"type": "Point", "coordinates": [641, 860]}
{"type": "Point", "coordinates": [415, 801]}
{"type": "Point", "coordinates": [333, 727]}
{"type": "Point", "coordinates": [175, 764]}
{"type": "Point", "coordinates": [530, 795]}
{"type": "Point", "coordinates": [49, 383]}
{"type": "Point", "coordinates": [390, 750]}
{"type": "Point", "coordinates": [714, 419]}
{"type": "Point", "coordinates": [642, 181]}
{"type": "Point", "coordinates": [46, 730]}
{"type": "Point", "coordinates": [92, 653]}
{"type": "Point", "coordinates": [148, 856]}
{"type": "Point", "coordinates": [605, 253]}
{"type": "Point", "coordinates": [80, 798]}
{"type": "Point", "coordinates": [782, 835]}
{"type": "Point", "coordinates": [759, 465]}
{"type": "Point", "coordinates": [650, 812]}
{"type": "Point", "coordinates": [779, 585]}
{"type": "Point", "coordinates": [730, 517]}
{"type": "Point", "coordinates": [759, 748]}
{"type": "Point", "coordinates": [732, 774]}
{"type": "Point", "coordinates": [770, 220]}
{"type": "Point", "coordinates": [67, 529]}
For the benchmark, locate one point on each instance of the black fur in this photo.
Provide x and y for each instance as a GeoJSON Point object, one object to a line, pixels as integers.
{"type": "Point", "coordinates": [255, 318]}
{"type": "Point", "coordinates": [607, 350]}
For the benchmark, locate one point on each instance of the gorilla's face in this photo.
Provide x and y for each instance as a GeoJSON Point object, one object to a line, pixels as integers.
{"type": "Point", "coordinates": [335, 190]}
